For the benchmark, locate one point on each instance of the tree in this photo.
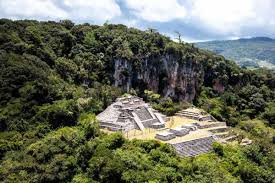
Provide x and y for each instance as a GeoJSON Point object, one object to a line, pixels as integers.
{"type": "Point", "coordinates": [90, 41]}
{"type": "Point", "coordinates": [151, 30]}
{"type": "Point", "coordinates": [269, 113]}
{"type": "Point", "coordinates": [151, 96]}
{"type": "Point", "coordinates": [66, 68]}
{"type": "Point", "coordinates": [60, 113]}
{"type": "Point", "coordinates": [68, 24]}
{"type": "Point", "coordinates": [179, 36]}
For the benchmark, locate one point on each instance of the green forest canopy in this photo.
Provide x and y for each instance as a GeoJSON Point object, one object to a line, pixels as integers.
{"type": "Point", "coordinates": [55, 76]}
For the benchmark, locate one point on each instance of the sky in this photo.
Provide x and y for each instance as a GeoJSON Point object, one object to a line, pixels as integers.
{"type": "Point", "coordinates": [196, 20]}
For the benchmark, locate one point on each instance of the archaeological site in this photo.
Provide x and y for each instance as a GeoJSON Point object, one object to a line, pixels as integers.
{"type": "Point", "coordinates": [191, 131]}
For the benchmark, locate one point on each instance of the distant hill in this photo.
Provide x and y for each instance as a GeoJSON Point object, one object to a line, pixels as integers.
{"type": "Point", "coordinates": [248, 52]}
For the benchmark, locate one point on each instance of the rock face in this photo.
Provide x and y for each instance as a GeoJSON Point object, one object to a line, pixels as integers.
{"type": "Point", "coordinates": [165, 75]}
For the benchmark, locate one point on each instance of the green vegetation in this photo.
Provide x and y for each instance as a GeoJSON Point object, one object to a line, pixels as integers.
{"type": "Point", "coordinates": [252, 100]}
{"type": "Point", "coordinates": [55, 77]}
{"type": "Point", "coordinates": [253, 52]}
{"type": "Point", "coordinates": [165, 105]}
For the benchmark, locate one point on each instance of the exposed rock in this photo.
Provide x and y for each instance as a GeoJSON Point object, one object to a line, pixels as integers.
{"type": "Point", "coordinates": [217, 86]}
{"type": "Point", "coordinates": [165, 75]}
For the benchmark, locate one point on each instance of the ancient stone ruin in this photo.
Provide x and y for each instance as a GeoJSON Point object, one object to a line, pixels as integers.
{"type": "Point", "coordinates": [179, 131]}
{"type": "Point", "coordinates": [193, 132]}
{"type": "Point", "coordinates": [129, 113]}
{"type": "Point", "coordinates": [196, 114]}
{"type": "Point", "coordinates": [165, 136]}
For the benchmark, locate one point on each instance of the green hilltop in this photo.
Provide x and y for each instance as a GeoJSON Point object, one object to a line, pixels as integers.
{"type": "Point", "coordinates": [247, 52]}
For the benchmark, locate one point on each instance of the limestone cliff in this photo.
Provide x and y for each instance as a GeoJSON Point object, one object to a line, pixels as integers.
{"type": "Point", "coordinates": [165, 75]}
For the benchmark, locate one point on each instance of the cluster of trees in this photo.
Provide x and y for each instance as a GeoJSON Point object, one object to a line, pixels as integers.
{"type": "Point", "coordinates": [165, 105]}
{"type": "Point", "coordinates": [55, 76]}
{"type": "Point", "coordinates": [254, 98]}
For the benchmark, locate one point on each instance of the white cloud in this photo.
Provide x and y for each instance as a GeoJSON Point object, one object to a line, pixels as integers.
{"type": "Point", "coordinates": [200, 18]}
{"type": "Point", "coordinates": [156, 10]}
{"type": "Point", "coordinates": [92, 10]}
{"type": "Point", "coordinates": [232, 16]}
{"type": "Point", "coordinates": [129, 23]}
{"type": "Point", "coordinates": [41, 9]}
{"type": "Point", "coordinates": [224, 18]}
{"type": "Point", "coordinates": [220, 15]}
{"type": "Point", "coordinates": [96, 11]}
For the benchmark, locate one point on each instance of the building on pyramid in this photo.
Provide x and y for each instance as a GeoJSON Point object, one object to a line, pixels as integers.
{"type": "Point", "coordinates": [129, 113]}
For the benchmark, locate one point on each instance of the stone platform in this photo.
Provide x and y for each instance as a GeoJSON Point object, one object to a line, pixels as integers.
{"type": "Point", "coordinates": [129, 113]}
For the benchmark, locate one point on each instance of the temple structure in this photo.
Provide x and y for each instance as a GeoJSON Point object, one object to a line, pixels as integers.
{"type": "Point", "coordinates": [129, 113]}
{"type": "Point", "coordinates": [191, 131]}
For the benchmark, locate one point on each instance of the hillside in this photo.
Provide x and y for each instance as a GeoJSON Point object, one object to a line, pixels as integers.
{"type": "Point", "coordinates": [56, 76]}
{"type": "Point", "coordinates": [251, 52]}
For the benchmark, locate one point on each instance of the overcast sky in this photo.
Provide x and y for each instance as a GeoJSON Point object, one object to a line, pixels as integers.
{"type": "Point", "coordinates": [196, 20]}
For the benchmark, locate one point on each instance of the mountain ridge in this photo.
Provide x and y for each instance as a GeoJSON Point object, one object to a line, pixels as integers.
{"type": "Point", "coordinates": [247, 52]}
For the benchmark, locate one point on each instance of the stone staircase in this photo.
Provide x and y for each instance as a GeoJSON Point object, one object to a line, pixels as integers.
{"type": "Point", "coordinates": [209, 124]}
{"type": "Point", "coordinates": [194, 147]}
{"type": "Point", "coordinates": [138, 122]}
{"type": "Point", "coordinates": [200, 116]}
{"type": "Point", "coordinates": [218, 129]}
{"type": "Point", "coordinates": [143, 114]}
{"type": "Point", "coordinates": [222, 134]}
{"type": "Point", "coordinates": [188, 114]}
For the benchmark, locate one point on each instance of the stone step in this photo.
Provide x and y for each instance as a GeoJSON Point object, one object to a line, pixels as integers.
{"type": "Point", "coordinates": [143, 114]}
{"type": "Point", "coordinates": [194, 147]}
{"type": "Point", "coordinates": [187, 114]}
{"type": "Point", "coordinates": [221, 134]}
{"type": "Point", "coordinates": [218, 129]}
{"type": "Point", "coordinates": [210, 125]}
{"type": "Point", "coordinates": [138, 122]}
